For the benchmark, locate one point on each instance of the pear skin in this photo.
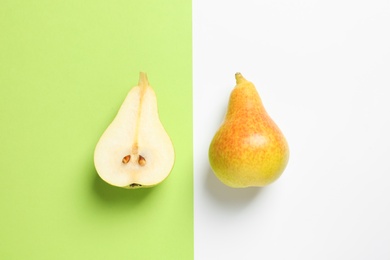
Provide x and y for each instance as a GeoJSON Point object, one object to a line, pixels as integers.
{"type": "Point", "coordinates": [135, 151]}
{"type": "Point", "coordinates": [249, 149]}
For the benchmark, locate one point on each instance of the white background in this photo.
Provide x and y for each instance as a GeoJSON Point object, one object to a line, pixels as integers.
{"type": "Point", "coordinates": [322, 69]}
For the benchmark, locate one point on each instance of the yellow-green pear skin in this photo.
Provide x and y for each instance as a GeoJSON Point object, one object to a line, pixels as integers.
{"type": "Point", "coordinates": [135, 151]}
{"type": "Point", "coordinates": [248, 149]}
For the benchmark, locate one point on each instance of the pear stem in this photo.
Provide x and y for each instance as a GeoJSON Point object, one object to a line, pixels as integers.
{"type": "Point", "coordinates": [143, 80]}
{"type": "Point", "coordinates": [239, 78]}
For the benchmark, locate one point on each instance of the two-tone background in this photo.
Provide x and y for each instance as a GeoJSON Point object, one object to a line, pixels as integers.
{"type": "Point", "coordinates": [321, 67]}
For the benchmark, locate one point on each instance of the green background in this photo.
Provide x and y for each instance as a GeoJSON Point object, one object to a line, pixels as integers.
{"type": "Point", "coordinates": [65, 68]}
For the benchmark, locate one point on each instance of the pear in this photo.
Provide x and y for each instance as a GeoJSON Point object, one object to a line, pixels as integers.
{"type": "Point", "coordinates": [135, 151]}
{"type": "Point", "coordinates": [248, 149]}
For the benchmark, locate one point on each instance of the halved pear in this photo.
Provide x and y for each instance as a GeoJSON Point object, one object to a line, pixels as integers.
{"type": "Point", "coordinates": [135, 151]}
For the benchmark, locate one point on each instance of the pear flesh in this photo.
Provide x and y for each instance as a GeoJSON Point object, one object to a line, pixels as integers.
{"type": "Point", "coordinates": [248, 149]}
{"type": "Point", "coordinates": [135, 151]}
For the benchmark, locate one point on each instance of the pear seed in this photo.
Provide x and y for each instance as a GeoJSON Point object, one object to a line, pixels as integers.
{"type": "Point", "coordinates": [141, 160]}
{"type": "Point", "coordinates": [126, 159]}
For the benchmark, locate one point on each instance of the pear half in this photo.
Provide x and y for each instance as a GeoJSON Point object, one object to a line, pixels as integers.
{"type": "Point", "coordinates": [135, 151]}
{"type": "Point", "coordinates": [248, 149]}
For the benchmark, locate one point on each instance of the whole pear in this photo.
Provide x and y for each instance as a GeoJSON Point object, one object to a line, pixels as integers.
{"type": "Point", "coordinates": [248, 149]}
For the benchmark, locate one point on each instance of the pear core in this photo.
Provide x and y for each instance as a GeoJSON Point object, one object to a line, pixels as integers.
{"type": "Point", "coordinates": [135, 151]}
{"type": "Point", "coordinates": [248, 149]}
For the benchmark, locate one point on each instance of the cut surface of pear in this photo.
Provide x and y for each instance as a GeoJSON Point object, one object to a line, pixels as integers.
{"type": "Point", "coordinates": [248, 149]}
{"type": "Point", "coordinates": [135, 151]}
